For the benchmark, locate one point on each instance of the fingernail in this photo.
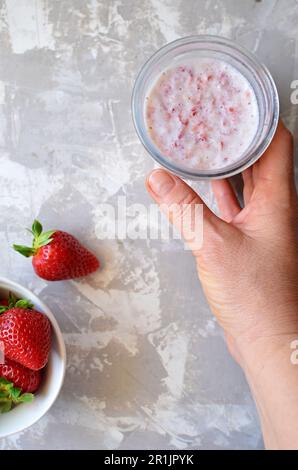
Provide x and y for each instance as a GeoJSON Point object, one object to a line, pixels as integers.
{"type": "Point", "coordinates": [161, 183]}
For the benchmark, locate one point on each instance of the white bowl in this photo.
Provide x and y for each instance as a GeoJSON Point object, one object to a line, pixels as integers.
{"type": "Point", "coordinates": [26, 414]}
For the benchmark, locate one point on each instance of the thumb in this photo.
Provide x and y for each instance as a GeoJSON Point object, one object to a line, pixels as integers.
{"type": "Point", "coordinates": [183, 207]}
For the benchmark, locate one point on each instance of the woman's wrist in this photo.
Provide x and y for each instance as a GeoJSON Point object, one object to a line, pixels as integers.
{"type": "Point", "coordinates": [260, 354]}
{"type": "Point", "coordinates": [275, 331]}
{"type": "Point", "coordinates": [271, 369]}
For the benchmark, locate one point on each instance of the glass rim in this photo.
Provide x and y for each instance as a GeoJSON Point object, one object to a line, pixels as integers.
{"type": "Point", "coordinates": [219, 173]}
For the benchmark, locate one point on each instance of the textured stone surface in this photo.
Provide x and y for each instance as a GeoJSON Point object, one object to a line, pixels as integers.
{"type": "Point", "coordinates": [147, 365]}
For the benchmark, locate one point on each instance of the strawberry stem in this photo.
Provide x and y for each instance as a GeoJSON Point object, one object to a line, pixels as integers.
{"type": "Point", "coordinates": [40, 239]}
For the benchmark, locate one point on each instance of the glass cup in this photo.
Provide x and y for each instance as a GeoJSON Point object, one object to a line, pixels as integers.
{"type": "Point", "coordinates": [211, 47]}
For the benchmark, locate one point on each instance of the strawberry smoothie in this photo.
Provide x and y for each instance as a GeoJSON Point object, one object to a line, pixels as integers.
{"type": "Point", "coordinates": [202, 114]}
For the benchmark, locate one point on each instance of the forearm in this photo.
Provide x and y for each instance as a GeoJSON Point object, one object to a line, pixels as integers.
{"type": "Point", "coordinates": [273, 378]}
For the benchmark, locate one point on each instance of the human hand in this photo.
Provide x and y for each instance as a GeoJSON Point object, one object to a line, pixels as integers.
{"type": "Point", "coordinates": [248, 264]}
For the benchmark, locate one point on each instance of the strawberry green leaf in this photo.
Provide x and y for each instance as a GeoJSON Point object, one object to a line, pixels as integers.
{"type": "Point", "coordinates": [26, 398]}
{"type": "Point", "coordinates": [15, 393]}
{"type": "Point", "coordinates": [43, 239]}
{"type": "Point", "coordinates": [5, 406]}
{"type": "Point", "coordinates": [24, 250]}
{"type": "Point", "coordinates": [23, 303]}
{"type": "Point", "coordinates": [36, 228]}
{"type": "Point", "coordinates": [46, 242]}
{"type": "Point", "coordinates": [11, 396]}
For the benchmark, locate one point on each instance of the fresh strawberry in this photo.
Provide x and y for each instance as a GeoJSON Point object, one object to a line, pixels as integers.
{"type": "Point", "coordinates": [58, 255]}
{"type": "Point", "coordinates": [26, 335]}
{"type": "Point", "coordinates": [25, 379]}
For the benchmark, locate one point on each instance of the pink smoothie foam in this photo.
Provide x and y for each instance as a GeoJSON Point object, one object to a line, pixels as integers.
{"type": "Point", "coordinates": [202, 114]}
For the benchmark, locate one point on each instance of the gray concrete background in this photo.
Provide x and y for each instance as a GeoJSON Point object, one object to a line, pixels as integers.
{"type": "Point", "coordinates": [147, 364]}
